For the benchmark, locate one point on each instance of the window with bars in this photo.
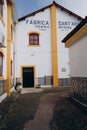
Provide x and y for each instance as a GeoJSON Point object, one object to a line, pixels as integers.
{"type": "Point", "coordinates": [1, 64]}
{"type": "Point", "coordinates": [33, 39]}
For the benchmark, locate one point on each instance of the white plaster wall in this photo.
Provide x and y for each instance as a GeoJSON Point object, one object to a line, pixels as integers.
{"type": "Point", "coordinates": [4, 64]}
{"type": "Point", "coordinates": [42, 56]}
{"type": "Point", "coordinates": [78, 57]}
{"type": "Point", "coordinates": [3, 29]}
{"type": "Point", "coordinates": [38, 56]}
{"type": "Point", "coordinates": [62, 31]}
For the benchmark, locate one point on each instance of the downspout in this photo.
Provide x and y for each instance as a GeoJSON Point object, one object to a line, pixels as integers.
{"type": "Point", "coordinates": [14, 53]}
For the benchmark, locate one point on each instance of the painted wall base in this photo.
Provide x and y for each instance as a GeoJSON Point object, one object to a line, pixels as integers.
{"type": "Point", "coordinates": [48, 81]}
{"type": "Point", "coordinates": [64, 82]}
{"type": "Point", "coordinates": [5, 95]}
{"type": "Point", "coordinates": [79, 86]}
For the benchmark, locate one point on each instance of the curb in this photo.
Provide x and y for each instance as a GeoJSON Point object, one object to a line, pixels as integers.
{"type": "Point", "coordinates": [79, 104]}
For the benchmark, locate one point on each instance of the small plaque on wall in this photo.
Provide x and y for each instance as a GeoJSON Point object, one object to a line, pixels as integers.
{"type": "Point", "coordinates": [63, 69]}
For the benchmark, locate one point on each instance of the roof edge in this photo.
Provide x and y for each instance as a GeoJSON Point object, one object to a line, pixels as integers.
{"type": "Point", "coordinates": [35, 12]}
{"type": "Point", "coordinates": [42, 9]}
{"type": "Point", "coordinates": [76, 29]}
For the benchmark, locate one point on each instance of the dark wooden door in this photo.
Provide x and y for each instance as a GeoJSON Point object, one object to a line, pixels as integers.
{"type": "Point", "coordinates": [28, 77]}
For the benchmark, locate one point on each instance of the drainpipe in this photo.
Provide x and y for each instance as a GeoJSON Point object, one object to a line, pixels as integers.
{"type": "Point", "coordinates": [14, 54]}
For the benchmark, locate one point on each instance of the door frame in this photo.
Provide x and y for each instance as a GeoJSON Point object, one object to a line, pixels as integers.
{"type": "Point", "coordinates": [28, 66]}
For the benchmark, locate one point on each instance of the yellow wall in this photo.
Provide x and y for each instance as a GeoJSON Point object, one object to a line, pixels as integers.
{"type": "Point", "coordinates": [76, 36]}
{"type": "Point", "coordinates": [8, 72]}
{"type": "Point", "coordinates": [54, 46]}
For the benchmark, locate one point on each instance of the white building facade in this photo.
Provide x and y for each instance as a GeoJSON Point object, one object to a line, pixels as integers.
{"type": "Point", "coordinates": [76, 41]}
{"type": "Point", "coordinates": [41, 57]}
{"type": "Point", "coordinates": [8, 22]}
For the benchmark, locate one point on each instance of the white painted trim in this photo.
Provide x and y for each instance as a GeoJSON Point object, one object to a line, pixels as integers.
{"type": "Point", "coordinates": [3, 97]}
{"type": "Point", "coordinates": [12, 89]}
{"type": "Point", "coordinates": [46, 86]}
